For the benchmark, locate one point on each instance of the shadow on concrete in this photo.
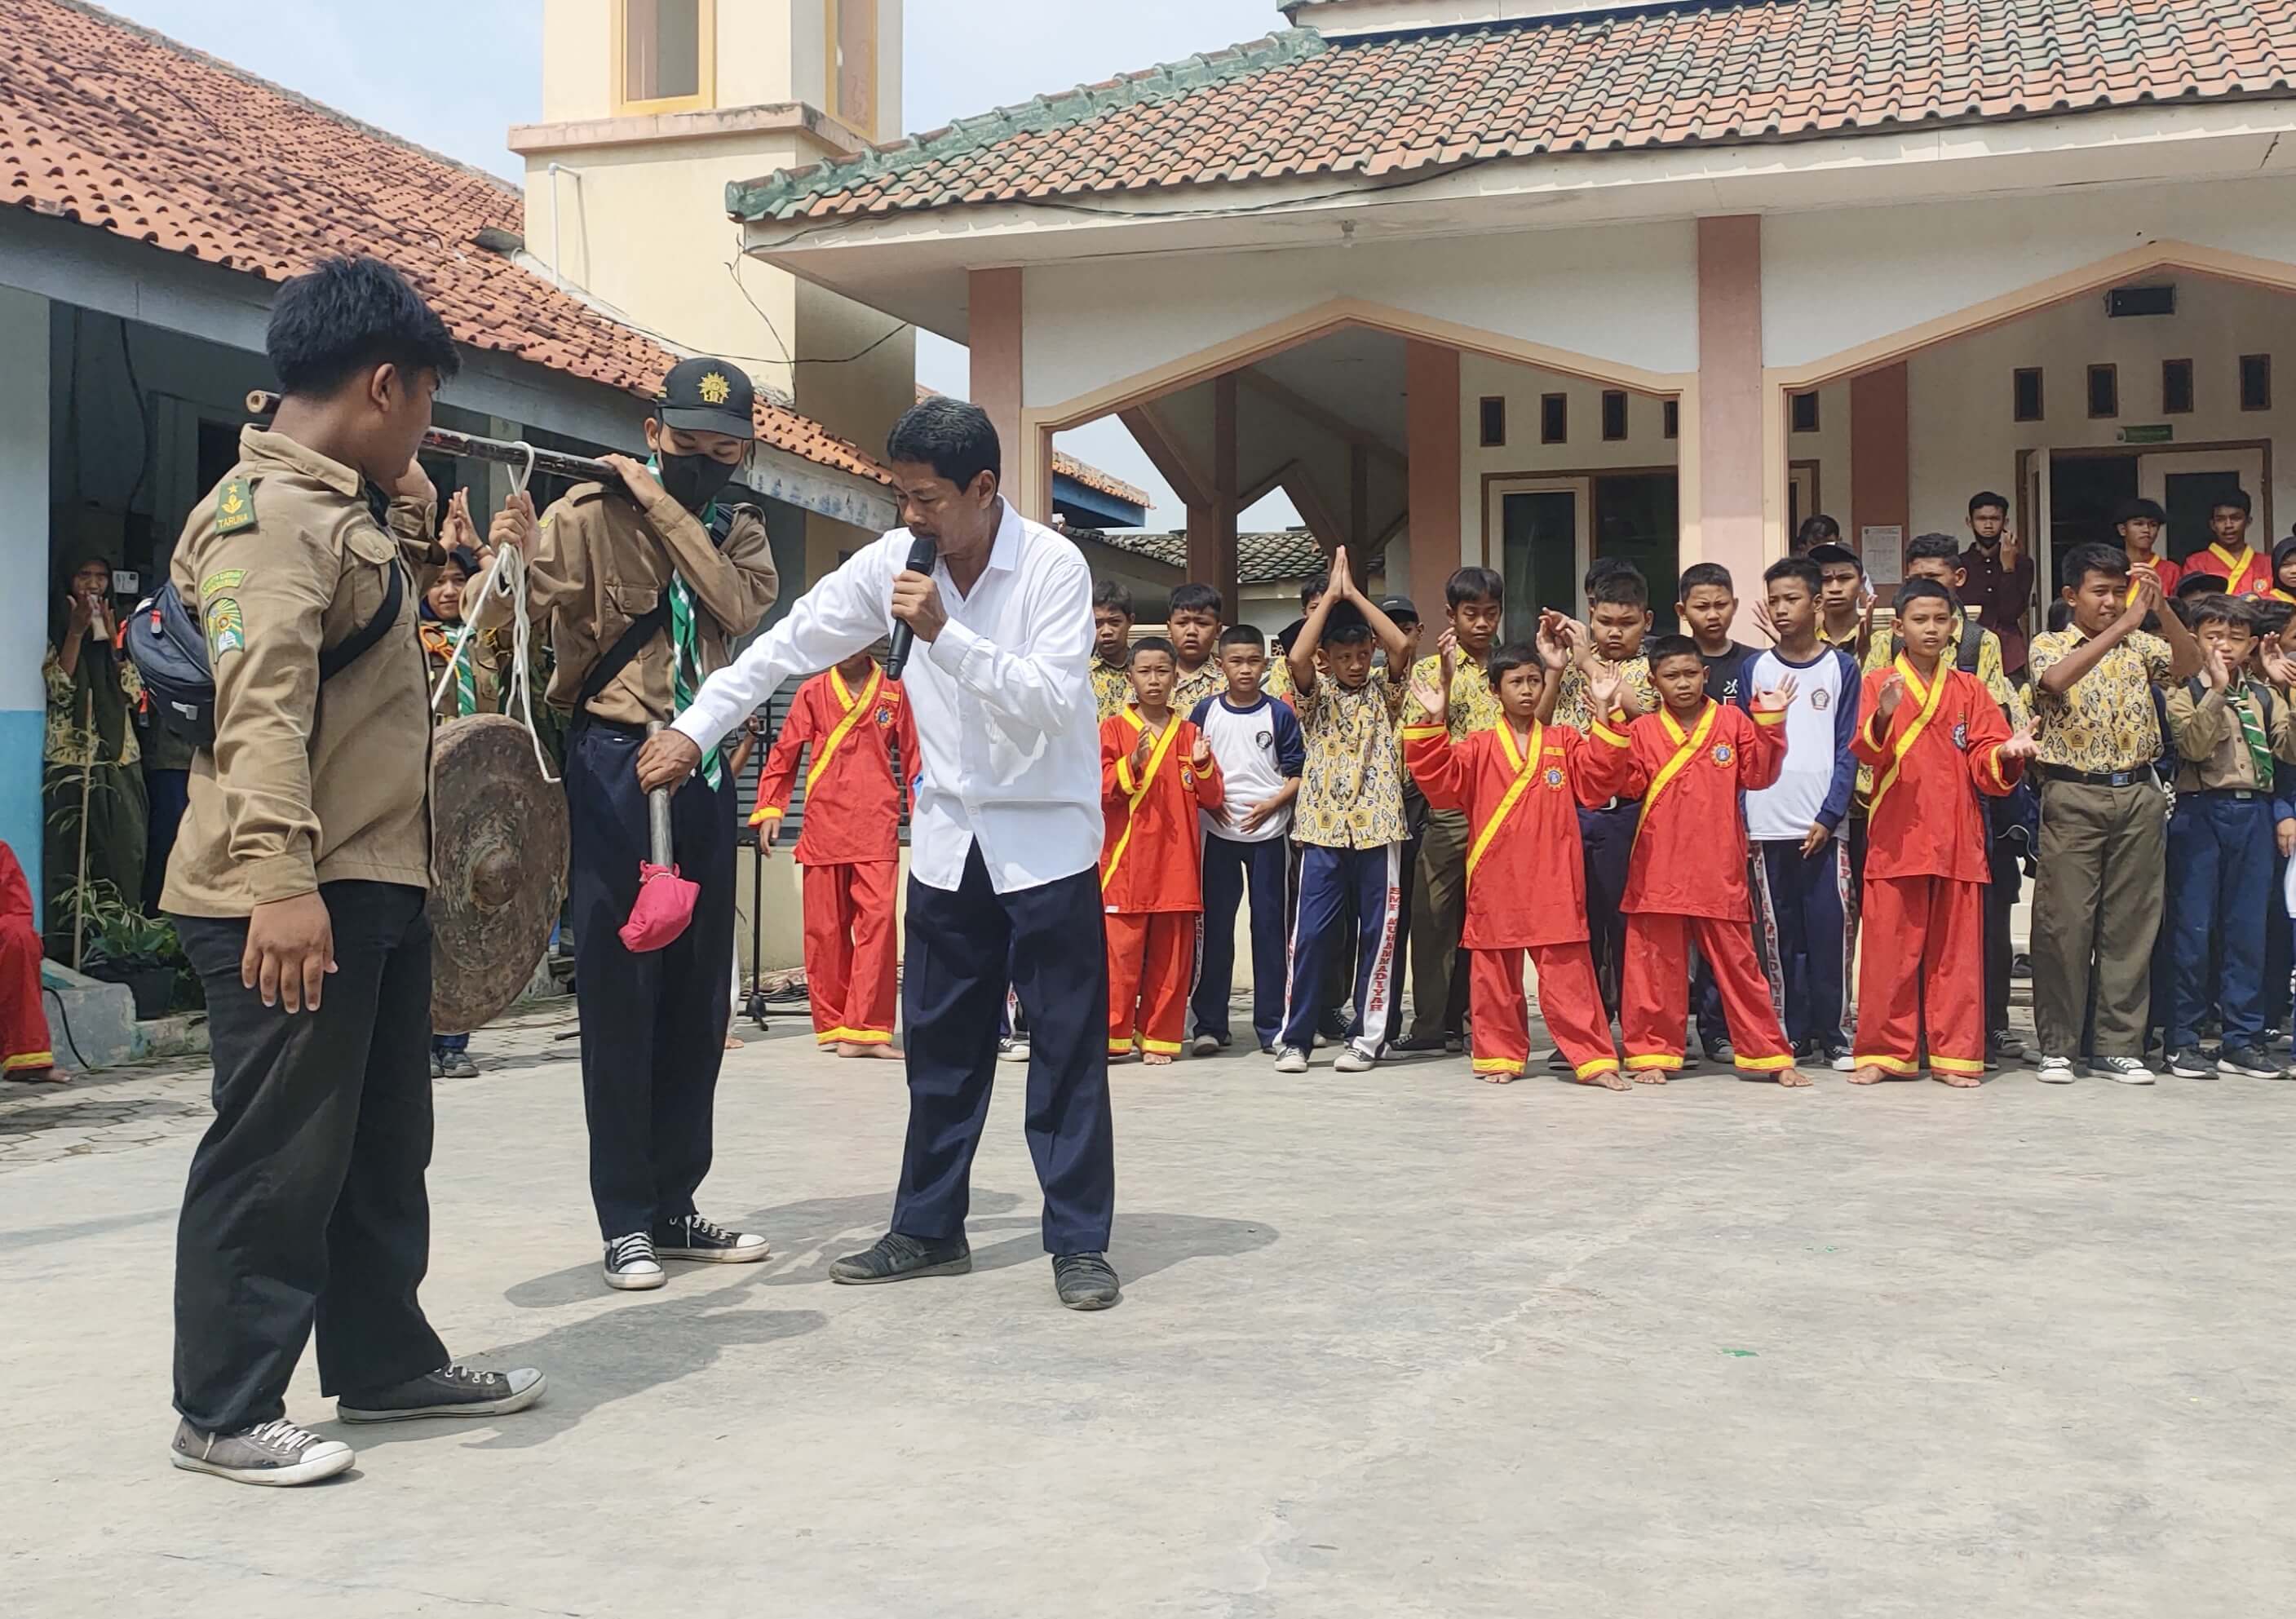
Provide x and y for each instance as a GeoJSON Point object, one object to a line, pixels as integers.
{"type": "Point", "coordinates": [102, 1225]}
{"type": "Point", "coordinates": [651, 1342]}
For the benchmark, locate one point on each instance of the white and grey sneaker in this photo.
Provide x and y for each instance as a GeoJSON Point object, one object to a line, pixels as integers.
{"type": "Point", "coordinates": [1354, 1059]}
{"type": "Point", "coordinates": [1206, 1045]}
{"type": "Point", "coordinates": [276, 1453]}
{"type": "Point", "coordinates": [2190, 1063]}
{"type": "Point", "coordinates": [630, 1263]}
{"type": "Point", "coordinates": [2127, 1070]}
{"type": "Point", "coordinates": [1291, 1059]}
{"type": "Point", "coordinates": [452, 1390]}
{"type": "Point", "coordinates": [2248, 1063]}
{"type": "Point", "coordinates": [2055, 1071]}
{"type": "Point", "coordinates": [1013, 1048]}
{"type": "Point", "coordinates": [691, 1237]}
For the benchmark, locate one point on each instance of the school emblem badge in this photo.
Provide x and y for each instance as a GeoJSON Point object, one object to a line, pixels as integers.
{"type": "Point", "coordinates": [1553, 776]}
{"type": "Point", "coordinates": [884, 716]}
{"type": "Point", "coordinates": [715, 388]}
{"type": "Point", "coordinates": [1961, 733]}
{"type": "Point", "coordinates": [227, 629]}
{"type": "Point", "coordinates": [1187, 777]}
{"type": "Point", "coordinates": [1821, 700]}
{"type": "Point", "coordinates": [1724, 754]}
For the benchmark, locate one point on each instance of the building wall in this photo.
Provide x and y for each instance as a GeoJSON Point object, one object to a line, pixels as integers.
{"type": "Point", "coordinates": [768, 51]}
{"type": "Point", "coordinates": [1626, 294]}
{"type": "Point", "coordinates": [24, 433]}
{"type": "Point", "coordinates": [1965, 437]}
{"type": "Point", "coordinates": [1834, 279]}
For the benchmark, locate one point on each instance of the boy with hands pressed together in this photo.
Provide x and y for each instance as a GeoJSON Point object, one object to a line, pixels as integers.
{"type": "Point", "coordinates": [1519, 786]}
{"type": "Point", "coordinates": [1935, 739]}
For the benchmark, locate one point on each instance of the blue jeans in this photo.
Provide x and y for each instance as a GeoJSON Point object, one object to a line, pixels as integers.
{"type": "Point", "coordinates": [1231, 867]}
{"type": "Point", "coordinates": [2219, 881]}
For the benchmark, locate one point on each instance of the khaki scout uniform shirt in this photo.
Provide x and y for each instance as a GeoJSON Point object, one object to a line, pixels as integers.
{"type": "Point", "coordinates": [301, 787]}
{"type": "Point", "coordinates": [601, 563]}
{"type": "Point", "coordinates": [2212, 745]}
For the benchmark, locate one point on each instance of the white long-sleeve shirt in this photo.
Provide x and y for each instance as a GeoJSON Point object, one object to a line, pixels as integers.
{"type": "Point", "coordinates": [1003, 700]}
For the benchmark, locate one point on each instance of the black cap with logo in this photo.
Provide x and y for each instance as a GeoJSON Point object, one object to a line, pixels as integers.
{"type": "Point", "coordinates": [709, 396]}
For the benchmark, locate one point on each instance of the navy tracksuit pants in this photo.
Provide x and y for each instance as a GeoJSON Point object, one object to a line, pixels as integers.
{"type": "Point", "coordinates": [1800, 932]}
{"type": "Point", "coordinates": [1233, 869]}
{"type": "Point", "coordinates": [2219, 888]}
{"type": "Point", "coordinates": [1330, 879]}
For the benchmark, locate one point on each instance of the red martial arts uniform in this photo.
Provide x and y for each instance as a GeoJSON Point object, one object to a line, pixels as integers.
{"type": "Point", "coordinates": [2247, 571]}
{"type": "Point", "coordinates": [1526, 886]}
{"type": "Point", "coordinates": [1686, 882]}
{"type": "Point", "coordinates": [24, 1053]}
{"type": "Point", "coordinates": [1926, 869]}
{"type": "Point", "coordinates": [1152, 878]}
{"type": "Point", "coordinates": [849, 849]}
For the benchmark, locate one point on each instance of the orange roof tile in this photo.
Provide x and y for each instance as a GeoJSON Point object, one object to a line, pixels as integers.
{"type": "Point", "coordinates": [1295, 105]}
{"type": "Point", "coordinates": [117, 128]}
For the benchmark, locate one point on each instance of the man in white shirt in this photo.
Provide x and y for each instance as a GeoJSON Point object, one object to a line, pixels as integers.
{"type": "Point", "coordinates": [1004, 843]}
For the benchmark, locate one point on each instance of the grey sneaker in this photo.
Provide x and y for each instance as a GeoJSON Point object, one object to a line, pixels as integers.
{"type": "Point", "coordinates": [2189, 1062]}
{"type": "Point", "coordinates": [1085, 1281]}
{"type": "Point", "coordinates": [1207, 1045]}
{"type": "Point", "coordinates": [459, 1066]}
{"type": "Point", "coordinates": [2055, 1071]}
{"type": "Point", "coordinates": [1291, 1059]}
{"type": "Point", "coordinates": [1355, 1059]}
{"type": "Point", "coordinates": [451, 1391]}
{"type": "Point", "coordinates": [896, 1257]}
{"type": "Point", "coordinates": [2248, 1063]}
{"type": "Point", "coordinates": [276, 1453]}
{"type": "Point", "coordinates": [2127, 1070]}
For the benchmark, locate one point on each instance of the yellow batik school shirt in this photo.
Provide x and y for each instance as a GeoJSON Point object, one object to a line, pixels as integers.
{"type": "Point", "coordinates": [1351, 787]}
{"type": "Point", "coordinates": [1111, 689]}
{"type": "Point", "coordinates": [1474, 706]}
{"type": "Point", "coordinates": [2106, 723]}
{"type": "Point", "coordinates": [1574, 702]}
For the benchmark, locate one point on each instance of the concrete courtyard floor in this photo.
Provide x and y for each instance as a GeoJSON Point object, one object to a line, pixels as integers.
{"type": "Point", "coordinates": [1392, 1343]}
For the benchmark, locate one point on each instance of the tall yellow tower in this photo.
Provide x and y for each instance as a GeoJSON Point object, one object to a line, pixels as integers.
{"type": "Point", "coordinates": [650, 107]}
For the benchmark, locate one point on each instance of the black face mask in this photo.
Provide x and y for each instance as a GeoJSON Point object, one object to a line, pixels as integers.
{"type": "Point", "coordinates": [693, 480]}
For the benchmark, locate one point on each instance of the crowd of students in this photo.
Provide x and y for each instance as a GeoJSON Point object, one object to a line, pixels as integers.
{"type": "Point", "coordinates": [1808, 850]}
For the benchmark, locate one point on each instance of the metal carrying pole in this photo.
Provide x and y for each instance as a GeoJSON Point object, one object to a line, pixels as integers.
{"type": "Point", "coordinates": [470, 446]}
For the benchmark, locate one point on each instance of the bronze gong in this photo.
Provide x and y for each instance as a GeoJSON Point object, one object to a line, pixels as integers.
{"type": "Point", "coordinates": [498, 843]}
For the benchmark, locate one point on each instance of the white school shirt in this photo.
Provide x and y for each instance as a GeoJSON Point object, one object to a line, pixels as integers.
{"type": "Point", "coordinates": [1003, 700]}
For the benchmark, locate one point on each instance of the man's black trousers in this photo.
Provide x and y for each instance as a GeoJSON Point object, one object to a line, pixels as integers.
{"type": "Point", "coordinates": [653, 1025]}
{"type": "Point", "coordinates": [952, 983]}
{"type": "Point", "coordinates": [306, 1201]}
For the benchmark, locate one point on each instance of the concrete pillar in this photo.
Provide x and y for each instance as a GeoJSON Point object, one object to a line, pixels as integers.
{"type": "Point", "coordinates": [1730, 400]}
{"type": "Point", "coordinates": [1211, 528]}
{"type": "Point", "coordinates": [994, 337]}
{"type": "Point", "coordinates": [1880, 459]}
{"type": "Point", "coordinates": [1431, 387]}
{"type": "Point", "coordinates": [24, 433]}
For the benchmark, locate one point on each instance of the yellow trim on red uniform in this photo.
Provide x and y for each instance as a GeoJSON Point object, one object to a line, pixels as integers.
{"type": "Point", "coordinates": [764, 813]}
{"type": "Point", "coordinates": [1526, 767]}
{"type": "Point", "coordinates": [1606, 734]}
{"type": "Point", "coordinates": [1769, 715]}
{"type": "Point", "coordinates": [1653, 1060]}
{"type": "Point", "coordinates": [1147, 776]}
{"type": "Point", "coordinates": [1601, 1065]}
{"type": "Point", "coordinates": [1929, 698]}
{"type": "Point", "coordinates": [827, 748]}
{"type": "Point", "coordinates": [1764, 1064]}
{"type": "Point", "coordinates": [1121, 1047]}
{"type": "Point", "coordinates": [1498, 1064]}
{"type": "Point", "coordinates": [1887, 1064]}
{"type": "Point", "coordinates": [1160, 1047]}
{"type": "Point", "coordinates": [2236, 573]}
{"type": "Point", "coordinates": [1685, 750]}
{"type": "Point", "coordinates": [1954, 1065]}
{"type": "Point", "coordinates": [31, 1059]}
{"type": "Point", "coordinates": [1421, 733]}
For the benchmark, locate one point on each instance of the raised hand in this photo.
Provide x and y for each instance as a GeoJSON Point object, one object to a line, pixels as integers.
{"type": "Point", "coordinates": [2013, 550]}
{"type": "Point", "coordinates": [1343, 582]}
{"type": "Point", "coordinates": [1553, 653]}
{"type": "Point", "coordinates": [1764, 622]}
{"type": "Point", "coordinates": [1868, 599]}
{"type": "Point", "coordinates": [1203, 754]}
{"type": "Point", "coordinates": [2279, 668]}
{"type": "Point", "coordinates": [1893, 693]}
{"type": "Point", "coordinates": [2020, 744]}
{"type": "Point", "coordinates": [1433, 698]}
{"type": "Point", "coordinates": [2216, 668]}
{"type": "Point", "coordinates": [1448, 656]}
{"type": "Point", "coordinates": [1142, 749]}
{"type": "Point", "coordinates": [1604, 688]}
{"type": "Point", "coordinates": [2144, 593]}
{"type": "Point", "coordinates": [1778, 698]}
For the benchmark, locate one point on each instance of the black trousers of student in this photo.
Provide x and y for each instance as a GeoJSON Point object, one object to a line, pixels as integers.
{"type": "Point", "coordinates": [305, 1205]}
{"type": "Point", "coordinates": [1051, 942]}
{"type": "Point", "coordinates": [1231, 868]}
{"type": "Point", "coordinates": [653, 1025]}
{"type": "Point", "coordinates": [1802, 939]}
{"type": "Point", "coordinates": [2000, 895]}
{"type": "Point", "coordinates": [1607, 838]}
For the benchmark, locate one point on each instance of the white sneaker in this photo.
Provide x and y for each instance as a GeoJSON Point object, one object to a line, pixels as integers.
{"type": "Point", "coordinates": [2127, 1070]}
{"type": "Point", "coordinates": [1355, 1059]}
{"type": "Point", "coordinates": [1291, 1059]}
{"type": "Point", "coordinates": [630, 1263]}
{"type": "Point", "coordinates": [2055, 1071]}
{"type": "Point", "coordinates": [1013, 1048]}
{"type": "Point", "coordinates": [1207, 1045]}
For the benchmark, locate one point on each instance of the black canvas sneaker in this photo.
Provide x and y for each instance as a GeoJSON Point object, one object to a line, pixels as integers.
{"type": "Point", "coordinates": [630, 1263]}
{"type": "Point", "coordinates": [451, 1391]}
{"type": "Point", "coordinates": [691, 1237]}
{"type": "Point", "coordinates": [896, 1257]}
{"type": "Point", "coordinates": [275, 1453]}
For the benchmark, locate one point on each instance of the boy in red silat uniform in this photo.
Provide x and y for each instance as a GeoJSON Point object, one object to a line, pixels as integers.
{"type": "Point", "coordinates": [1156, 771]}
{"type": "Point", "coordinates": [851, 847]}
{"type": "Point", "coordinates": [1936, 739]}
{"type": "Point", "coordinates": [1688, 880]}
{"type": "Point", "coordinates": [1519, 783]}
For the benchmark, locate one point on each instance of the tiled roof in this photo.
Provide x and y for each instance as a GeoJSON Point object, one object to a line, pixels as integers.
{"type": "Point", "coordinates": [112, 126]}
{"type": "Point", "coordinates": [1083, 471]}
{"type": "Point", "coordinates": [1295, 105]}
{"type": "Point", "coordinates": [1261, 559]}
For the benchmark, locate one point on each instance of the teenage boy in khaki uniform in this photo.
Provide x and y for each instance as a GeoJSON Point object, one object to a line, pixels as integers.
{"type": "Point", "coordinates": [298, 885]}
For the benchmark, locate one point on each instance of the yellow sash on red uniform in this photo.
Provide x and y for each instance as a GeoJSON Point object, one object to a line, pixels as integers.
{"type": "Point", "coordinates": [1685, 750]}
{"type": "Point", "coordinates": [1929, 698]}
{"type": "Point", "coordinates": [1139, 790]}
{"type": "Point", "coordinates": [1525, 766]}
{"type": "Point", "coordinates": [2237, 573]}
{"type": "Point", "coordinates": [853, 712]}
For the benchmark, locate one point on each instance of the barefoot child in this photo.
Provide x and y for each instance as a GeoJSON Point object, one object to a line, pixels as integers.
{"type": "Point", "coordinates": [853, 717]}
{"type": "Point", "coordinates": [1518, 786]}
{"type": "Point", "coordinates": [1686, 882]}
{"type": "Point", "coordinates": [1935, 739]}
{"type": "Point", "coordinates": [1156, 771]}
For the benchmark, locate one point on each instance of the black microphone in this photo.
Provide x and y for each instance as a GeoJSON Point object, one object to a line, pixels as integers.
{"type": "Point", "coordinates": [923, 552]}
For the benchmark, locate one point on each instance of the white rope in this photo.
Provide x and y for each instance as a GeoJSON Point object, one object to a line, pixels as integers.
{"type": "Point", "coordinates": [507, 571]}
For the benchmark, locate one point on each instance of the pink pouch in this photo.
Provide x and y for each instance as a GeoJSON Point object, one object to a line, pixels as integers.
{"type": "Point", "coordinates": [665, 905]}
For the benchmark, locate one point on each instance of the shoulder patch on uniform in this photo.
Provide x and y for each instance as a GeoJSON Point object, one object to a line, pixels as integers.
{"type": "Point", "coordinates": [221, 580]}
{"type": "Point", "coordinates": [227, 629]}
{"type": "Point", "coordinates": [234, 505]}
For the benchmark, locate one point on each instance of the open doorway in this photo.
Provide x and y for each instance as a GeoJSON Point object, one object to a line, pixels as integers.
{"type": "Point", "coordinates": [2071, 494]}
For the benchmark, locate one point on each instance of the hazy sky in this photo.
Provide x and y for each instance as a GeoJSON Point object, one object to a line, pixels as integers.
{"type": "Point", "coordinates": [454, 75]}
